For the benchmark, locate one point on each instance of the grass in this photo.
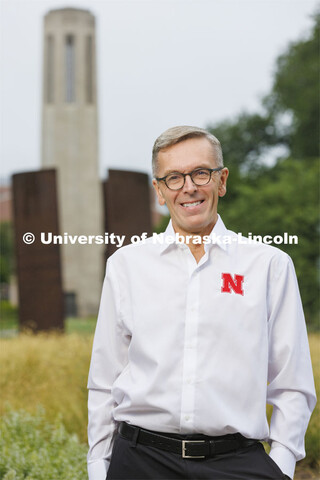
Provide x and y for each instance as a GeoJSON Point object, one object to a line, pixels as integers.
{"type": "Point", "coordinates": [313, 432]}
{"type": "Point", "coordinates": [9, 325]}
{"type": "Point", "coordinates": [80, 325]}
{"type": "Point", "coordinates": [49, 370]}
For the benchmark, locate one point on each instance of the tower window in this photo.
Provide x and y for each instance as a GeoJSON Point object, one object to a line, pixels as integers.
{"type": "Point", "coordinates": [70, 70]}
{"type": "Point", "coordinates": [49, 83]}
{"type": "Point", "coordinates": [89, 69]}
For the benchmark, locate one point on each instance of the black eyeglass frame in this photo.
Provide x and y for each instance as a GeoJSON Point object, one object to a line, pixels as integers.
{"type": "Point", "coordinates": [210, 170]}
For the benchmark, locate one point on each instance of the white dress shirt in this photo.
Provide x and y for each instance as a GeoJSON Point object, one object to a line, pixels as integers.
{"type": "Point", "coordinates": [173, 352]}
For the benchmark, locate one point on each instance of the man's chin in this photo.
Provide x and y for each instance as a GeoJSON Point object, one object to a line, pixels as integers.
{"type": "Point", "coordinates": [193, 228]}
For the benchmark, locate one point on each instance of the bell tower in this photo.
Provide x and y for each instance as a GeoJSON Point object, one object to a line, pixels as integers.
{"type": "Point", "coordinates": [70, 145]}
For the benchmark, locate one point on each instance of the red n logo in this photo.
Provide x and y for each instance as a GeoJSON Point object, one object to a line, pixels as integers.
{"type": "Point", "coordinates": [228, 283]}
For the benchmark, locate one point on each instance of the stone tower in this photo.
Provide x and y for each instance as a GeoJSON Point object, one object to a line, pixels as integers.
{"type": "Point", "coordinates": [70, 144]}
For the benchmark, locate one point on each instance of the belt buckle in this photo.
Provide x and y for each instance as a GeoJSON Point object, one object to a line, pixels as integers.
{"type": "Point", "coordinates": [184, 442]}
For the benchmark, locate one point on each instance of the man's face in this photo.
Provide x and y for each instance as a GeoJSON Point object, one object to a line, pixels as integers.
{"type": "Point", "coordinates": [184, 157]}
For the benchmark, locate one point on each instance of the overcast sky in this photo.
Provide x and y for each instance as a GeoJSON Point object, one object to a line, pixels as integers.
{"type": "Point", "coordinates": [160, 63]}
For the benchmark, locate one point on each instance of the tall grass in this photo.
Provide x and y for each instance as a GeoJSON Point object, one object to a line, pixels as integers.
{"type": "Point", "coordinates": [51, 370]}
{"type": "Point", "coordinates": [313, 432]}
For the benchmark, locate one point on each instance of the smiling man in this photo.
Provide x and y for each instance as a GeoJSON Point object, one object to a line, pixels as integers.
{"type": "Point", "coordinates": [194, 339]}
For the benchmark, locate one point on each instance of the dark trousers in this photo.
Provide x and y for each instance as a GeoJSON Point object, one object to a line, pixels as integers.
{"type": "Point", "coordinates": [130, 461]}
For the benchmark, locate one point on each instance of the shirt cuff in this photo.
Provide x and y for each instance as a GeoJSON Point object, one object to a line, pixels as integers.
{"type": "Point", "coordinates": [284, 458]}
{"type": "Point", "coordinates": [98, 470]}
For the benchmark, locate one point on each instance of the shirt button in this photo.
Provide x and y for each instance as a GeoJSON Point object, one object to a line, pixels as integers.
{"type": "Point", "coordinates": [187, 417]}
{"type": "Point", "coordinates": [189, 381]}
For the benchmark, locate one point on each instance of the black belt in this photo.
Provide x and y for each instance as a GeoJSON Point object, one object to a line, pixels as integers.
{"type": "Point", "coordinates": [206, 447]}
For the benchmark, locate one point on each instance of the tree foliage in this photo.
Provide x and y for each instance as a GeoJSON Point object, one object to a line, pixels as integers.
{"type": "Point", "coordinates": [246, 139]}
{"type": "Point", "coordinates": [281, 200]}
{"type": "Point", "coordinates": [6, 254]}
{"type": "Point", "coordinates": [284, 197]}
{"type": "Point", "coordinates": [296, 93]}
{"type": "Point", "coordinates": [289, 115]}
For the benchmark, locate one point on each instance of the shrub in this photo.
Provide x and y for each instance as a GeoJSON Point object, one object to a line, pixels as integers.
{"type": "Point", "coordinates": [9, 315]}
{"type": "Point", "coordinates": [33, 449]}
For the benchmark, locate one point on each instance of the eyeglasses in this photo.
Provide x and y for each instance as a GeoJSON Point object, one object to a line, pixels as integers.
{"type": "Point", "coordinates": [199, 176]}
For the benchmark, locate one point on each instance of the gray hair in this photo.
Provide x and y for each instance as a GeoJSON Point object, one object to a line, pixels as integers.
{"type": "Point", "coordinates": [178, 134]}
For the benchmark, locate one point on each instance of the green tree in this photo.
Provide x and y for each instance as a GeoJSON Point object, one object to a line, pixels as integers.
{"type": "Point", "coordinates": [282, 200]}
{"type": "Point", "coordinates": [295, 94]}
{"type": "Point", "coordinates": [245, 140]}
{"type": "Point", "coordinates": [290, 112]}
{"type": "Point", "coordinates": [6, 252]}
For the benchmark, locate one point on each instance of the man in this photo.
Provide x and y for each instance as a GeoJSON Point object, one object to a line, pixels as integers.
{"type": "Point", "coordinates": [194, 338]}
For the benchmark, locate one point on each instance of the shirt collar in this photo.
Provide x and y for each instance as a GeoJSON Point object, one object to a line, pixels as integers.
{"type": "Point", "coordinates": [218, 231]}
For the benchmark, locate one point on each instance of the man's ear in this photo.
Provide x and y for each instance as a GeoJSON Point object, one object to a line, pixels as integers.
{"type": "Point", "coordinates": [160, 197]}
{"type": "Point", "coordinates": [222, 190]}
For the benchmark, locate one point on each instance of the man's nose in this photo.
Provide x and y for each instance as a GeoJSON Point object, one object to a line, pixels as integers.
{"type": "Point", "coordinates": [189, 186]}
